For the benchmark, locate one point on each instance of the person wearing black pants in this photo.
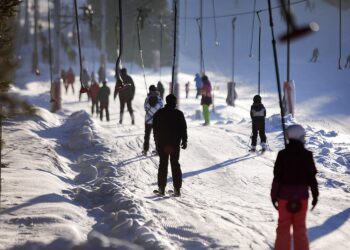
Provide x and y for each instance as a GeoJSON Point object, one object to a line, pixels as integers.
{"type": "Point", "coordinates": [103, 97]}
{"type": "Point", "coordinates": [153, 103]}
{"type": "Point", "coordinates": [170, 130]}
{"type": "Point", "coordinates": [258, 114]}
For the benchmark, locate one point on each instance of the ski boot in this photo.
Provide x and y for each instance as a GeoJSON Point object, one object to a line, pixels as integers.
{"type": "Point", "coordinates": [177, 192]}
{"type": "Point", "coordinates": [263, 147]}
{"type": "Point", "coordinates": [160, 191]}
{"type": "Point", "coordinates": [252, 149]}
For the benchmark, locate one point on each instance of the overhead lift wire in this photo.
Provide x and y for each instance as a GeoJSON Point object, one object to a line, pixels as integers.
{"type": "Point", "coordinates": [174, 49]}
{"type": "Point", "coordinates": [215, 27]}
{"type": "Point", "coordinates": [252, 36]}
{"type": "Point", "coordinates": [340, 37]}
{"type": "Point", "coordinates": [79, 46]}
{"type": "Point", "coordinates": [242, 13]}
{"type": "Point", "coordinates": [140, 47]}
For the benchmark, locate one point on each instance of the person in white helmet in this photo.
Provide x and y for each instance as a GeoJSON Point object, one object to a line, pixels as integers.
{"type": "Point", "coordinates": [294, 172]}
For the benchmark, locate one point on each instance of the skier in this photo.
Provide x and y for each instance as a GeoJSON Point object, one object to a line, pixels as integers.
{"type": "Point", "coordinates": [161, 90]}
{"type": "Point", "coordinates": [101, 73]}
{"type": "Point", "coordinates": [187, 88]}
{"type": "Point", "coordinates": [198, 81]}
{"type": "Point", "coordinates": [103, 97]}
{"type": "Point", "coordinates": [126, 90]}
{"type": "Point", "coordinates": [64, 79]}
{"type": "Point", "coordinates": [347, 65]}
{"type": "Point", "coordinates": [294, 172]}
{"type": "Point", "coordinates": [93, 91]}
{"type": "Point", "coordinates": [152, 104]}
{"type": "Point", "coordinates": [231, 94]}
{"type": "Point", "coordinates": [206, 99]}
{"type": "Point", "coordinates": [258, 114]}
{"type": "Point", "coordinates": [85, 79]}
{"type": "Point", "coordinates": [315, 54]}
{"type": "Point", "coordinates": [170, 129]}
{"type": "Point", "coordinates": [70, 79]}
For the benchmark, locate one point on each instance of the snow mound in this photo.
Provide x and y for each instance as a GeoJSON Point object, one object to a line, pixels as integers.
{"type": "Point", "coordinates": [95, 241]}
{"type": "Point", "coordinates": [79, 127]}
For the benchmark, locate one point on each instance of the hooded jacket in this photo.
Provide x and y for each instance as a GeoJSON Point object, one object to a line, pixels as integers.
{"type": "Point", "coordinates": [294, 172]}
{"type": "Point", "coordinates": [169, 127]}
{"type": "Point", "coordinates": [152, 104]}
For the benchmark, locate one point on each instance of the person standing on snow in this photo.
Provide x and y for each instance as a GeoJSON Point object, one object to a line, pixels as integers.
{"type": "Point", "coordinates": [206, 99]}
{"type": "Point", "coordinates": [85, 79]}
{"type": "Point", "coordinates": [258, 114]}
{"type": "Point", "coordinates": [103, 97]}
{"type": "Point", "coordinates": [187, 88]}
{"type": "Point", "coordinates": [126, 90]}
{"type": "Point", "coordinates": [93, 91]}
{"type": "Point", "coordinates": [70, 79]}
{"type": "Point", "coordinates": [152, 104]}
{"type": "Point", "coordinates": [170, 129]}
{"type": "Point", "coordinates": [198, 81]}
{"type": "Point", "coordinates": [294, 172]}
{"type": "Point", "coordinates": [101, 73]}
{"type": "Point", "coordinates": [161, 89]}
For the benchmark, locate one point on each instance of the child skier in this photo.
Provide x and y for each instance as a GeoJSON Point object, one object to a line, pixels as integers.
{"type": "Point", "coordinates": [258, 114]}
{"type": "Point", "coordinates": [294, 172]}
{"type": "Point", "coordinates": [206, 100]}
{"type": "Point", "coordinates": [152, 104]}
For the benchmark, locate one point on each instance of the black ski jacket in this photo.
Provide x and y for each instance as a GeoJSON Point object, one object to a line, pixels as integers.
{"type": "Point", "coordinates": [294, 173]}
{"type": "Point", "coordinates": [257, 112]}
{"type": "Point", "coordinates": [126, 93]}
{"type": "Point", "coordinates": [169, 127]}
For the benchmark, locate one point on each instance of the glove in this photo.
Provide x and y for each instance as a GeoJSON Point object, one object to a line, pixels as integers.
{"type": "Point", "coordinates": [184, 145]}
{"type": "Point", "coordinates": [314, 202]}
{"type": "Point", "coordinates": [275, 204]}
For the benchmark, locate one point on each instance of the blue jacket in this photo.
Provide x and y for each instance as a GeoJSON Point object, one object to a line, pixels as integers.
{"type": "Point", "coordinates": [198, 81]}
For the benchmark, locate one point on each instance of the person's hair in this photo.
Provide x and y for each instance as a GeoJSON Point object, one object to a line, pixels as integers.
{"type": "Point", "coordinates": [123, 71]}
{"type": "Point", "coordinates": [171, 100]}
{"type": "Point", "coordinates": [204, 78]}
{"type": "Point", "coordinates": [257, 99]}
{"type": "Point", "coordinates": [152, 88]}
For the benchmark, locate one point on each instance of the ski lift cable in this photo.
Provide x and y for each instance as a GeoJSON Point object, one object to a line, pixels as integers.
{"type": "Point", "coordinates": [140, 47]}
{"type": "Point", "coordinates": [201, 51]}
{"type": "Point", "coordinates": [288, 45]}
{"type": "Point", "coordinates": [277, 72]}
{"type": "Point", "coordinates": [79, 46]}
{"type": "Point", "coordinates": [252, 36]}
{"type": "Point", "coordinates": [50, 53]}
{"type": "Point", "coordinates": [242, 13]}
{"type": "Point", "coordinates": [259, 54]}
{"type": "Point", "coordinates": [340, 35]}
{"type": "Point", "coordinates": [119, 58]}
{"type": "Point", "coordinates": [215, 28]}
{"type": "Point", "coordinates": [174, 54]}
{"type": "Point", "coordinates": [161, 47]}
{"type": "Point", "coordinates": [185, 24]}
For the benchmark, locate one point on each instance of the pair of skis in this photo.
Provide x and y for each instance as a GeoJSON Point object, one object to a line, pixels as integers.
{"type": "Point", "coordinates": [169, 193]}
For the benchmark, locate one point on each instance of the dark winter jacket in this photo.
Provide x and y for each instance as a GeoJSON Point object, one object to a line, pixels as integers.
{"type": "Point", "coordinates": [127, 92]}
{"type": "Point", "coordinates": [206, 93]}
{"type": "Point", "coordinates": [103, 94]}
{"type": "Point", "coordinates": [294, 173]}
{"type": "Point", "coordinates": [160, 89]}
{"type": "Point", "coordinates": [257, 112]}
{"type": "Point", "coordinates": [169, 127]}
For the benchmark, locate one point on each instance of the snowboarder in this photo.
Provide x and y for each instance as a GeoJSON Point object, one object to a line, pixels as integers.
{"type": "Point", "coordinates": [126, 90]}
{"type": "Point", "coordinates": [85, 79]}
{"type": "Point", "coordinates": [315, 54]}
{"type": "Point", "coordinates": [347, 65]}
{"type": "Point", "coordinates": [206, 99]}
{"type": "Point", "coordinates": [170, 129]}
{"type": "Point", "coordinates": [258, 114]}
{"type": "Point", "coordinates": [93, 91]}
{"type": "Point", "coordinates": [294, 172]}
{"type": "Point", "coordinates": [70, 79]}
{"type": "Point", "coordinates": [152, 104]}
{"type": "Point", "coordinates": [187, 88]}
{"type": "Point", "coordinates": [103, 97]}
{"type": "Point", "coordinates": [161, 90]}
{"type": "Point", "coordinates": [101, 73]}
{"type": "Point", "coordinates": [198, 81]}
{"type": "Point", "coordinates": [231, 94]}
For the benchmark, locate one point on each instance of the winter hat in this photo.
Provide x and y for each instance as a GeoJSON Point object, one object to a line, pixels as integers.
{"type": "Point", "coordinates": [171, 100]}
{"type": "Point", "coordinates": [152, 88]}
{"type": "Point", "coordinates": [296, 132]}
{"type": "Point", "coordinates": [257, 99]}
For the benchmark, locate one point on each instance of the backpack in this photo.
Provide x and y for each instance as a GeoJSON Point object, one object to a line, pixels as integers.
{"type": "Point", "coordinates": [152, 101]}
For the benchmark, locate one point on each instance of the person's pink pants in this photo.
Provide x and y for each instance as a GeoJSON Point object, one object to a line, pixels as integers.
{"type": "Point", "coordinates": [285, 221]}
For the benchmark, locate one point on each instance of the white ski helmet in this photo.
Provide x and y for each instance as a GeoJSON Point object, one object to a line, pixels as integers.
{"type": "Point", "coordinates": [296, 132]}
